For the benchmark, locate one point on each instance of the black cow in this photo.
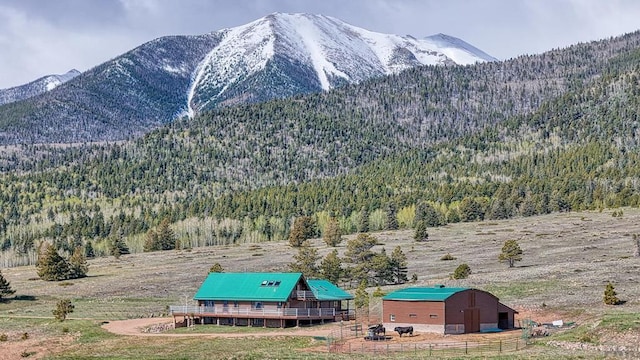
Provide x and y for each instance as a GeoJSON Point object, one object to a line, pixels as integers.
{"type": "Point", "coordinates": [404, 330]}
{"type": "Point", "coordinates": [377, 329]}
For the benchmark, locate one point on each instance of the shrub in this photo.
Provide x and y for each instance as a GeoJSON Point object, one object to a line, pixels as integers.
{"type": "Point", "coordinates": [447, 257]}
{"type": "Point", "coordinates": [462, 272]}
{"type": "Point", "coordinates": [24, 336]}
{"type": "Point", "coordinates": [610, 297]}
{"type": "Point", "coordinates": [4, 337]}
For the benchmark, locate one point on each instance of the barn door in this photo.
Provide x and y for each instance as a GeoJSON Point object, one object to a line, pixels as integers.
{"type": "Point", "coordinates": [471, 320]}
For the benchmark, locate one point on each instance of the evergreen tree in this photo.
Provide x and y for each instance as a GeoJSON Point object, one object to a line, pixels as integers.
{"type": "Point", "coordinates": [305, 261]}
{"type": "Point", "coordinates": [421, 233]}
{"type": "Point", "coordinates": [51, 266]}
{"type": "Point", "coordinates": [363, 226]}
{"type": "Point", "coordinates": [470, 210]}
{"type": "Point", "coordinates": [166, 237]}
{"type": "Point", "coordinates": [391, 221]}
{"type": "Point", "coordinates": [359, 254]}
{"type": "Point", "coordinates": [5, 288]}
{"type": "Point", "coordinates": [151, 241]}
{"type": "Point", "coordinates": [216, 268]}
{"type": "Point", "coordinates": [610, 295]}
{"type": "Point", "coordinates": [63, 308]}
{"type": "Point", "coordinates": [303, 229]}
{"type": "Point", "coordinates": [361, 298]}
{"type": "Point", "coordinates": [399, 266]}
{"type": "Point", "coordinates": [331, 234]}
{"type": "Point", "coordinates": [118, 247]}
{"type": "Point", "coordinates": [78, 266]}
{"type": "Point", "coordinates": [511, 252]}
{"type": "Point", "coordinates": [331, 267]}
{"type": "Point", "coordinates": [89, 253]}
{"type": "Point", "coordinates": [381, 266]}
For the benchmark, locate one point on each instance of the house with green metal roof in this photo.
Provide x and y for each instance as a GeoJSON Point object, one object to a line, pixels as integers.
{"type": "Point", "coordinates": [264, 299]}
{"type": "Point", "coordinates": [446, 310]}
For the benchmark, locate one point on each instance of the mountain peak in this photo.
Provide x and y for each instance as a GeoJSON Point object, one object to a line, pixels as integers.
{"type": "Point", "coordinates": [323, 52]}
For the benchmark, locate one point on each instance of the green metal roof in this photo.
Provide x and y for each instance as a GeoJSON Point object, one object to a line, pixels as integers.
{"type": "Point", "coordinates": [325, 290]}
{"type": "Point", "coordinates": [436, 293]}
{"type": "Point", "coordinates": [248, 286]}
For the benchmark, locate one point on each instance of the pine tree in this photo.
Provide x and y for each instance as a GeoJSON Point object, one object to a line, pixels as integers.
{"type": "Point", "coordinates": [359, 254]}
{"type": "Point", "coordinates": [421, 233]}
{"type": "Point", "coordinates": [151, 242]}
{"type": "Point", "coordinates": [89, 253]}
{"type": "Point", "coordinates": [5, 288]}
{"type": "Point", "coordinates": [391, 222]}
{"type": "Point", "coordinates": [381, 266]}
{"type": "Point", "coordinates": [63, 308]}
{"type": "Point", "coordinates": [51, 266]}
{"type": "Point", "coordinates": [399, 265]}
{"type": "Point", "coordinates": [363, 226]}
{"type": "Point", "coordinates": [511, 252]}
{"type": "Point", "coordinates": [331, 234]}
{"type": "Point", "coordinates": [361, 298]}
{"type": "Point", "coordinates": [305, 261]}
{"type": "Point", "coordinates": [78, 266]}
{"type": "Point", "coordinates": [303, 229]}
{"type": "Point", "coordinates": [166, 236]}
{"type": "Point", "coordinates": [331, 267]}
{"type": "Point", "coordinates": [610, 297]}
{"type": "Point", "coordinates": [118, 246]}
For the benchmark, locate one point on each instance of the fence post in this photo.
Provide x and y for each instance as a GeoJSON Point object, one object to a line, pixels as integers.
{"type": "Point", "coordinates": [429, 349]}
{"type": "Point", "coordinates": [517, 341]}
{"type": "Point", "coordinates": [466, 347]}
{"type": "Point", "coordinates": [500, 347]}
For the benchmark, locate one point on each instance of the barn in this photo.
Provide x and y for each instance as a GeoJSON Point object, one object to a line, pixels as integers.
{"type": "Point", "coordinates": [265, 300]}
{"type": "Point", "coordinates": [446, 310]}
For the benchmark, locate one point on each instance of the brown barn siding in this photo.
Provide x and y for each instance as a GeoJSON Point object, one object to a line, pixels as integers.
{"type": "Point", "coordinates": [422, 315]}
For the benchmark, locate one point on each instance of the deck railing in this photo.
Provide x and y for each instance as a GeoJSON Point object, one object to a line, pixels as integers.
{"type": "Point", "coordinates": [305, 295]}
{"type": "Point", "coordinates": [224, 310]}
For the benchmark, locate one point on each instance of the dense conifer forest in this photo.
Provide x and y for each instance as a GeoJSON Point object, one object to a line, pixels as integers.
{"type": "Point", "coordinates": [531, 135]}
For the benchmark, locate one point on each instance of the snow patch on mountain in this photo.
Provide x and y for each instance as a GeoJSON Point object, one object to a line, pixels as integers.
{"type": "Point", "coordinates": [335, 51]}
{"type": "Point", "coordinates": [36, 87]}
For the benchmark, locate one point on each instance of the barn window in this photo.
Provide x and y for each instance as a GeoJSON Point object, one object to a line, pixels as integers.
{"type": "Point", "coordinates": [413, 315]}
{"type": "Point", "coordinates": [433, 316]}
{"type": "Point", "coordinates": [392, 317]}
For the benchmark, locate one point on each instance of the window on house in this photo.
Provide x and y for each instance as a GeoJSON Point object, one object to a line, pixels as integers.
{"type": "Point", "coordinates": [433, 316]}
{"type": "Point", "coordinates": [257, 305]}
{"type": "Point", "coordinates": [264, 283]}
{"type": "Point", "coordinates": [413, 315]}
{"type": "Point", "coordinates": [235, 304]}
{"type": "Point", "coordinates": [392, 317]}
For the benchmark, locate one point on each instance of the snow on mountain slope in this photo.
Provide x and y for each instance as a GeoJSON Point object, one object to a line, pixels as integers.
{"type": "Point", "coordinates": [333, 51]}
{"type": "Point", "coordinates": [458, 50]}
{"type": "Point", "coordinates": [36, 87]}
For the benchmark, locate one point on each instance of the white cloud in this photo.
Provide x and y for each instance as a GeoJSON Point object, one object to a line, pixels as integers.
{"type": "Point", "coordinates": [44, 37]}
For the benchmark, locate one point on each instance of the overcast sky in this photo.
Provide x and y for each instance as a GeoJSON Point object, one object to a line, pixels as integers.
{"type": "Point", "coordinates": [41, 37]}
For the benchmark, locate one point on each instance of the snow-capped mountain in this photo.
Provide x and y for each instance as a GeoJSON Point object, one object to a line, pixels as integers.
{"type": "Point", "coordinates": [277, 56]}
{"type": "Point", "coordinates": [325, 52]}
{"type": "Point", "coordinates": [36, 87]}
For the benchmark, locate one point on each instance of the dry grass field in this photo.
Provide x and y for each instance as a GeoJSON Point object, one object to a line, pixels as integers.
{"type": "Point", "coordinates": [568, 259]}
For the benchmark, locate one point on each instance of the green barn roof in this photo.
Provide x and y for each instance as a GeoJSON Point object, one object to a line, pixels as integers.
{"type": "Point", "coordinates": [263, 287]}
{"type": "Point", "coordinates": [436, 293]}
{"type": "Point", "coordinates": [325, 290]}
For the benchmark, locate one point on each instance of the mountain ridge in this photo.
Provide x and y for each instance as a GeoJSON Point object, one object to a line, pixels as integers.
{"type": "Point", "coordinates": [175, 76]}
{"type": "Point", "coordinates": [35, 87]}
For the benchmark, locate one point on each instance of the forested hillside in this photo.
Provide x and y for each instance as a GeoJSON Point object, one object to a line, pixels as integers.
{"type": "Point", "coordinates": [550, 132]}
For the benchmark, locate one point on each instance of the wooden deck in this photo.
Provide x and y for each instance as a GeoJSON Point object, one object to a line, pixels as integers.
{"type": "Point", "coordinates": [231, 312]}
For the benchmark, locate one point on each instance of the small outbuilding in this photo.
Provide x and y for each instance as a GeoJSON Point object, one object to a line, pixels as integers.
{"type": "Point", "coordinates": [446, 310]}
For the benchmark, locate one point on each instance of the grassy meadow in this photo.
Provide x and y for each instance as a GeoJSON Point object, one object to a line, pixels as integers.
{"type": "Point", "coordinates": [567, 261]}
